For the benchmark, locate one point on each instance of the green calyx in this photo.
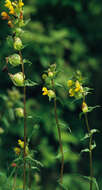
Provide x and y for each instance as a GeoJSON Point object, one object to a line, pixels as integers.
{"type": "Point", "coordinates": [17, 79]}
{"type": "Point", "coordinates": [17, 44]}
{"type": "Point", "coordinates": [14, 60]}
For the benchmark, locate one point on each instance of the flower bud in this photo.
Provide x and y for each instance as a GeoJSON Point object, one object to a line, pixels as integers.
{"type": "Point", "coordinates": [18, 44]}
{"type": "Point", "coordinates": [70, 83]}
{"type": "Point", "coordinates": [51, 94]}
{"type": "Point", "coordinates": [17, 79]}
{"type": "Point", "coordinates": [50, 74]}
{"type": "Point", "coordinates": [19, 112]}
{"type": "Point", "coordinates": [44, 76]}
{"type": "Point", "coordinates": [14, 60]}
{"type": "Point", "coordinates": [84, 107]}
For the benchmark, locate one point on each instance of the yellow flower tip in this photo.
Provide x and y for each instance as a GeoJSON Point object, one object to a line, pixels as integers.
{"type": "Point", "coordinates": [21, 143]}
{"type": "Point", "coordinates": [70, 82]}
{"type": "Point", "coordinates": [71, 92]}
{"type": "Point", "coordinates": [12, 11]}
{"type": "Point", "coordinates": [10, 23]}
{"type": "Point", "coordinates": [21, 4]}
{"type": "Point", "coordinates": [81, 89]}
{"type": "Point", "coordinates": [17, 150]}
{"type": "Point", "coordinates": [45, 91]}
{"type": "Point", "coordinates": [84, 107]}
{"type": "Point", "coordinates": [78, 86]}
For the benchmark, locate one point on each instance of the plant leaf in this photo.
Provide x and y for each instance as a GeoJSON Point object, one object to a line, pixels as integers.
{"type": "Point", "coordinates": [94, 181]}
{"type": "Point", "coordinates": [30, 83]}
{"type": "Point", "coordinates": [85, 150]}
{"type": "Point", "coordinates": [91, 108]}
{"type": "Point", "coordinates": [94, 131]}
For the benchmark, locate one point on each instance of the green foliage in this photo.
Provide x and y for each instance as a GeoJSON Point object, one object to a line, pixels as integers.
{"type": "Point", "coordinates": [68, 33]}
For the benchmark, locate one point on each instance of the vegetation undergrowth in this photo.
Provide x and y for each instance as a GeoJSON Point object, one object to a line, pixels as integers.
{"type": "Point", "coordinates": [16, 104]}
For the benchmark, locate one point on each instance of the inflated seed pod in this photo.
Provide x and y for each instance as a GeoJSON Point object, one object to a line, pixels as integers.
{"type": "Point", "coordinates": [14, 60]}
{"type": "Point", "coordinates": [17, 79]}
{"type": "Point", "coordinates": [17, 44]}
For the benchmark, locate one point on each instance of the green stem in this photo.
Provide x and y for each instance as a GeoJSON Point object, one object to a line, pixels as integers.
{"type": "Point", "coordinates": [90, 151]}
{"type": "Point", "coordinates": [24, 101]}
{"type": "Point", "coordinates": [60, 139]}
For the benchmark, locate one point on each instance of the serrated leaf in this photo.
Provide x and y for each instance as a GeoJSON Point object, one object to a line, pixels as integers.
{"type": "Point", "coordinates": [30, 83]}
{"type": "Point", "coordinates": [35, 161]}
{"type": "Point", "coordinates": [91, 108]}
{"type": "Point", "coordinates": [85, 150]}
{"type": "Point", "coordinates": [94, 131]}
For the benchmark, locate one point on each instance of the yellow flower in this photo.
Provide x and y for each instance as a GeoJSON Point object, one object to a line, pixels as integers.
{"type": "Point", "coordinates": [8, 4]}
{"type": "Point", "coordinates": [84, 107]}
{"type": "Point", "coordinates": [21, 143]}
{"type": "Point", "coordinates": [71, 92]}
{"type": "Point", "coordinates": [17, 150]}
{"type": "Point", "coordinates": [20, 4]}
{"type": "Point", "coordinates": [12, 11]}
{"type": "Point", "coordinates": [78, 86]}
{"type": "Point", "coordinates": [45, 91]}
{"type": "Point", "coordinates": [5, 16]}
{"type": "Point", "coordinates": [70, 82]}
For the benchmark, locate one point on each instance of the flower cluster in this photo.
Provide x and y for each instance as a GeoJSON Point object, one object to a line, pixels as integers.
{"type": "Point", "coordinates": [15, 11]}
{"type": "Point", "coordinates": [75, 88]}
{"type": "Point", "coordinates": [49, 93]}
{"type": "Point", "coordinates": [48, 78]}
{"type": "Point", "coordinates": [19, 149]}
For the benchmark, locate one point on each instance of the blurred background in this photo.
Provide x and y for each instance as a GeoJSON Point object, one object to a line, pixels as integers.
{"type": "Point", "coordinates": [68, 33]}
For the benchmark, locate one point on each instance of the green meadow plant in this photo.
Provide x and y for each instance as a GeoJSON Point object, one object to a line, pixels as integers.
{"type": "Point", "coordinates": [78, 90]}
{"type": "Point", "coordinates": [50, 90]}
{"type": "Point", "coordinates": [24, 163]}
{"type": "Point", "coordinates": [14, 17]}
